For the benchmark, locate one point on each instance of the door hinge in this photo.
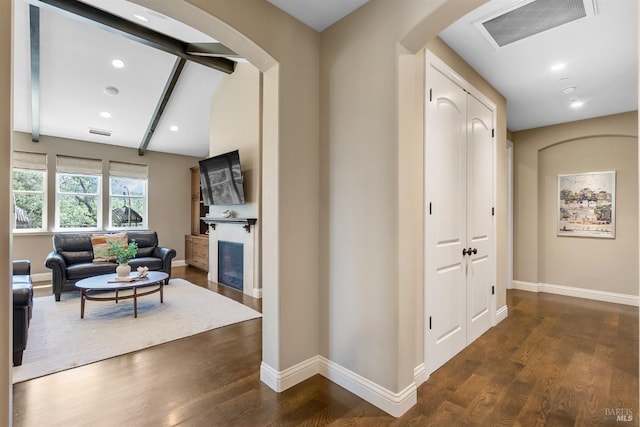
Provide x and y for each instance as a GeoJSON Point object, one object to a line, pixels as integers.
{"type": "Point", "coordinates": [430, 95]}
{"type": "Point", "coordinates": [429, 322]}
{"type": "Point", "coordinates": [493, 211]}
{"type": "Point", "coordinates": [493, 290]}
{"type": "Point", "coordinates": [493, 133]}
{"type": "Point", "coordinates": [429, 208]}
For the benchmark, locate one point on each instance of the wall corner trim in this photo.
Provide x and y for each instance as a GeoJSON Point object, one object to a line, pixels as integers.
{"type": "Point", "coordinates": [394, 404]}
{"type": "Point", "coordinates": [501, 314]}
{"type": "Point", "coordinates": [570, 291]}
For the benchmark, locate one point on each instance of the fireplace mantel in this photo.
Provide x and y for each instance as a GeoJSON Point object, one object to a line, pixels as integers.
{"type": "Point", "coordinates": [245, 222]}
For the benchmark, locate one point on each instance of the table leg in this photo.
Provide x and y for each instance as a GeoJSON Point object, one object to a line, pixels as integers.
{"type": "Point", "coordinates": [161, 292]}
{"type": "Point", "coordinates": [82, 298]}
{"type": "Point", "coordinates": [135, 303]}
{"type": "Point", "coordinates": [116, 296]}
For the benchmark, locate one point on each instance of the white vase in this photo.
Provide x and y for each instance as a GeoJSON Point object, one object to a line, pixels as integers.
{"type": "Point", "coordinates": [123, 270]}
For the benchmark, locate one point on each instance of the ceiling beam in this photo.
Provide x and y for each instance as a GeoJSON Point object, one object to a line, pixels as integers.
{"type": "Point", "coordinates": [34, 34]}
{"type": "Point", "coordinates": [162, 103]}
{"type": "Point", "coordinates": [210, 50]}
{"type": "Point", "coordinates": [114, 24]}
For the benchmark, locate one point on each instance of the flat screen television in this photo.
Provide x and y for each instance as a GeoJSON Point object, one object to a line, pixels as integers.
{"type": "Point", "coordinates": [221, 180]}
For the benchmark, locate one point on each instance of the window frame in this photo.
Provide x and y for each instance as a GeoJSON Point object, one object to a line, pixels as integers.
{"type": "Point", "coordinates": [44, 226]}
{"type": "Point", "coordinates": [98, 195]}
{"type": "Point", "coordinates": [145, 202]}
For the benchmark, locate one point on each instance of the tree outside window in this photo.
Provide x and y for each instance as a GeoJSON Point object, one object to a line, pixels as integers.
{"type": "Point", "coordinates": [29, 194]}
{"type": "Point", "coordinates": [128, 202]}
{"type": "Point", "coordinates": [78, 202]}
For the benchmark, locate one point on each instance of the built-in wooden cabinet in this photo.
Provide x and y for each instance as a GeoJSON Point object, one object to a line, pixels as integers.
{"type": "Point", "coordinates": [196, 246]}
{"type": "Point", "coordinates": [196, 250]}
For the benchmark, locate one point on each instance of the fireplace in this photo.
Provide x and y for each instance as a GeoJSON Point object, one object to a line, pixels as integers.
{"type": "Point", "coordinates": [240, 237]}
{"type": "Point", "coordinates": [231, 264]}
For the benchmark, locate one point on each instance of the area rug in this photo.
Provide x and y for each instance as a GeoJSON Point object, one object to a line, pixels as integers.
{"type": "Point", "coordinates": [60, 340]}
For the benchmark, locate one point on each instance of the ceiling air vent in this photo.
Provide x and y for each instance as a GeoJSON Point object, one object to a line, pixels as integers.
{"type": "Point", "coordinates": [527, 18]}
{"type": "Point", "coordinates": [100, 132]}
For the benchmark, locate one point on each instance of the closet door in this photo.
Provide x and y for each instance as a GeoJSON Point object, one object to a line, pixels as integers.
{"type": "Point", "coordinates": [445, 225]}
{"type": "Point", "coordinates": [479, 217]}
{"type": "Point", "coordinates": [459, 231]}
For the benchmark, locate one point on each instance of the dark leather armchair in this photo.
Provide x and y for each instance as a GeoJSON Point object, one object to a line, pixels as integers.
{"type": "Point", "coordinates": [22, 307]}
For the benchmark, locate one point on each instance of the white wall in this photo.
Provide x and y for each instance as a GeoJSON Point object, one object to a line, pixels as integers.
{"type": "Point", "coordinates": [235, 125]}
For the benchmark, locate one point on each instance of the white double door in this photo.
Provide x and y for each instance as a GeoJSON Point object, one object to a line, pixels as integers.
{"type": "Point", "coordinates": [459, 216]}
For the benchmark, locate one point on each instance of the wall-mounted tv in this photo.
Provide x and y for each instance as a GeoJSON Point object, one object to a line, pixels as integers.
{"type": "Point", "coordinates": [221, 180]}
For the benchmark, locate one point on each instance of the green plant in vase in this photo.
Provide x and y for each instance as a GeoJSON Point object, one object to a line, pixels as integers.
{"type": "Point", "coordinates": [122, 255]}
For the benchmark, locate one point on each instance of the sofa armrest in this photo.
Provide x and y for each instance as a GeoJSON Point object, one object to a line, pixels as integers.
{"type": "Point", "coordinates": [166, 255]}
{"type": "Point", "coordinates": [58, 267]}
{"type": "Point", "coordinates": [21, 267]}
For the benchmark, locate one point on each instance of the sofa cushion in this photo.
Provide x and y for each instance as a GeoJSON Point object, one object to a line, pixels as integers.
{"type": "Point", "coordinates": [21, 279]}
{"type": "Point", "coordinates": [73, 247]}
{"type": "Point", "coordinates": [88, 269]}
{"type": "Point", "coordinates": [151, 262]}
{"type": "Point", "coordinates": [101, 244]}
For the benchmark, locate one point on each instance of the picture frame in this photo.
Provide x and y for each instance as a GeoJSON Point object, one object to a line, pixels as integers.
{"type": "Point", "coordinates": [587, 205]}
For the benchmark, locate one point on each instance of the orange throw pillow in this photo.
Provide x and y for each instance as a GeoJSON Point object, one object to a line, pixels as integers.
{"type": "Point", "coordinates": [100, 243]}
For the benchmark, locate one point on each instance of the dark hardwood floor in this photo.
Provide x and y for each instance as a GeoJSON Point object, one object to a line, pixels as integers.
{"type": "Point", "coordinates": [555, 361]}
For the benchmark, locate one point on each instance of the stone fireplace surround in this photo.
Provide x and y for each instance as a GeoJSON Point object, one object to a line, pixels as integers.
{"type": "Point", "coordinates": [236, 230]}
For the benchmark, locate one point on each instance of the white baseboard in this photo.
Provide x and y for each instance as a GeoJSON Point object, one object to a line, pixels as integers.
{"type": "Point", "coordinates": [501, 314]}
{"type": "Point", "coordinates": [41, 277]}
{"type": "Point", "coordinates": [257, 292]}
{"type": "Point", "coordinates": [578, 292]}
{"type": "Point", "coordinates": [420, 374]}
{"type": "Point", "coordinates": [282, 380]}
{"type": "Point", "coordinates": [178, 263]}
{"type": "Point", "coordinates": [394, 404]}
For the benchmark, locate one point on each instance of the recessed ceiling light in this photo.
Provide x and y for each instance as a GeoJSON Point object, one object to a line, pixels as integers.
{"type": "Point", "coordinates": [110, 90]}
{"type": "Point", "coordinates": [141, 18]}
{"type": "Point", "coordinates": [105, 114]}
{"type": "Point", "coordinates": [174, 128]}
{"type": "Point", "coordinates": [557, 67]}
{"type": "Point", "coordinates": [576, 103]}
{"type": "Point", "coordinates": [569, 89]}
{"type": "Point", "coordinates": [117, 63]}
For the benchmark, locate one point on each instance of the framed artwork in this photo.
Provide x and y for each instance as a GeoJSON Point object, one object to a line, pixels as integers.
{"type": "Point", "coordinates": [587, 204]}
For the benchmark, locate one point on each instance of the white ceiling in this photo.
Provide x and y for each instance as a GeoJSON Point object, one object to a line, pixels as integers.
{"type": "Point", "coordinates": [600, 55]}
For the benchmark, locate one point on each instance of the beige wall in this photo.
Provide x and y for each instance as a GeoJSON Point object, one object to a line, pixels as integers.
{"type": "Point", "coordinates": [371, 192]}
{"type": "Point", "coordinates": [235, 125]}
{"type": "Point", "coordinates": [540, 155]}
{"type": "Point", "coordinates": [6, 355]}
{"type": "Point", "coordinates": [287, 53]}
{"type": "Point", "coordinates": [169, 194]}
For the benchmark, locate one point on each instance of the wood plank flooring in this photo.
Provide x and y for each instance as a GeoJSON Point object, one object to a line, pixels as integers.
{"type": "Point", "coordinates": [556, 361]}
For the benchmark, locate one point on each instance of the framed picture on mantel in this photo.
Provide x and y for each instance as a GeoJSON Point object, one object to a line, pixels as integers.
{"type": "Point", "coordinates": [587, 204]}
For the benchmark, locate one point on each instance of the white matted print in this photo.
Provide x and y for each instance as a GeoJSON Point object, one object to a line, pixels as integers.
{"type": "Point", "coordinates": [587, 204]}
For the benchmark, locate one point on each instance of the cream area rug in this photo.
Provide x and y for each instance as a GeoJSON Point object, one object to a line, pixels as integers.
{"type": "Point", "coordinates": [59, 339]}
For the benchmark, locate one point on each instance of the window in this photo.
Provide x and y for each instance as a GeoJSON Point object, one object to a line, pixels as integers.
{"type": "Point", "coordinates": [78, 193]}
{"type": "Point", "coordinates": [29, 183]}
{"type": "Point", "coordinates": [127, 195]}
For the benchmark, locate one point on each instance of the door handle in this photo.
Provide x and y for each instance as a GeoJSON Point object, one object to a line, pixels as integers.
{"type": "Point", "coordinates": [469, 251]}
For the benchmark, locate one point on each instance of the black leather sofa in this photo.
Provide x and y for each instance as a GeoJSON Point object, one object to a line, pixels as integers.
{"type": "Point", "coordinates": [22, 307]}
{"type": "Point", "coordinates": [72, 258]}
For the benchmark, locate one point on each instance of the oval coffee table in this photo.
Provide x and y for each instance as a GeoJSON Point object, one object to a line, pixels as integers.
{"type": "Point", "coordinates": [107, 282]}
